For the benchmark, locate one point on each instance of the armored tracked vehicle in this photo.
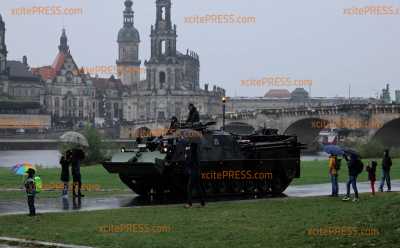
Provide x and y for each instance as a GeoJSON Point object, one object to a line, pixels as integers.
{"type": "Point", "coordinates": [263, 162]}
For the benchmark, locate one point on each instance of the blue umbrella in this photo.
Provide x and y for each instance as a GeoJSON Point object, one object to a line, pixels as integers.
{"type": "Point", "coordinates": [335, 150]}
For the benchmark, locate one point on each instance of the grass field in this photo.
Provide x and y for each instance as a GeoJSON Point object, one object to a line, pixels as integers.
{"type": "Point", "coordinates": [312, 172]}
{"type": "Point", "coordinates": [280, 222]}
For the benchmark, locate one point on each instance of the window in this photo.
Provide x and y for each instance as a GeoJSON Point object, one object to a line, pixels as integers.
{"type": "Point", "coordinates": [163, 13]}
{"type": "Point", "coordinates": [80, 103]}
{"type": "Point", "coordinates": [116, 110]}
{"type": "Point", "coordinates": [163, 47]}
{"type": "Point", "coordinates": [162, 79]}
{"type": "Point", "coordinates": [161, 115]}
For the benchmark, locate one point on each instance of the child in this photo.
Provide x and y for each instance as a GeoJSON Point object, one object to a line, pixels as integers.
{"type": "Point", "coordinates": [333, 173]}
{"type": "Point", "coordinates": [371, 169]}
{"type": "Point", "coordinates": [64, 162]}
{"type": "Point", "coordinates": [30, 188]}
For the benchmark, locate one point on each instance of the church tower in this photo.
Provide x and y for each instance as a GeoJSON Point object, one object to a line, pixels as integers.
{"type": "Point", "coordinates": [63, 47]}
{"type": "Point", "coordinates": [163, 69]}
{"type": "Point", "coordinates": [128, 63]}
{"type": "Point", "coordinates": [163, 37]}
{"type": "Point", "coordinates": [3, 48]}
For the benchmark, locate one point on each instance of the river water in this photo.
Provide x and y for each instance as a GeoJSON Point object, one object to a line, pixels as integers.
{"type": "Point", "coordinates": [50, 158]}
{"type": "Point", "coordinates": [44, 158]}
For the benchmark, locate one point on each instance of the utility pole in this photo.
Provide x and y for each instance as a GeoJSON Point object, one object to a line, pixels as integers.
{"type": "Point", "coordinates": [223, 112]}
{"type": "Point", "coordinates": [349, 93]}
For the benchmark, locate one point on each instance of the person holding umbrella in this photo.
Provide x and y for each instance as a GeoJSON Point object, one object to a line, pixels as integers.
{"type": "Point", "coordinates": [333, 173]}
{"type": "Point", "coordinates": [334, 166]}
{"type": "Point", "coordinates": [65, 161]}
{"type": "Point", "coordinates": [77, 155]}
{"type": "Point", "coordinates": [354, 164]}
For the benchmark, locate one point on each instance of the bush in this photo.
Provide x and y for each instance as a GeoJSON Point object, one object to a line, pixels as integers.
{"type": "Point", "coordinates": [371, 149]}
{"type": "Point", "coordinates": [94, 152]}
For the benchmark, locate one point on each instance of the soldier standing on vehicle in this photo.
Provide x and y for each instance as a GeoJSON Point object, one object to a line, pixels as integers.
{"type": "Point", "coordinates": [193, 114]}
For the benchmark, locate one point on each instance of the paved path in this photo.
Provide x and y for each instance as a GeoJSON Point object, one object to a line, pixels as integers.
{"type": "Point", "coordinates": [45, 205]}
{"type": "Point", "coordinates": [326, 189]}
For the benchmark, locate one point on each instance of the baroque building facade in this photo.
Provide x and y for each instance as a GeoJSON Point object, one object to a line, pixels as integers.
{"type": "Point", "coordinates": [172, 78]}
{"type": "Point", "coordinates": [17, 83]}
{"type": "Point", "coordinates": [70, 95]}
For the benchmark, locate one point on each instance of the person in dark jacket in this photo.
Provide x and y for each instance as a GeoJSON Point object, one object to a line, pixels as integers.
{"type": "Point", "coordinates": [371, 169]}
{"type": "Point", "coordinates": [65, 161]}
{"type": "Point", "coordinates": [386, 164]}
{"type": "Point", "coordinates": [77, 155]}
{"type": "Point", "coordinates": [353, 173]}
{"type": "Point", "coordinates": [193, 115]}
{"type": "Point", "coordinates": [192, 170]}
{"type": "Point", "coordinates": [30, 189]}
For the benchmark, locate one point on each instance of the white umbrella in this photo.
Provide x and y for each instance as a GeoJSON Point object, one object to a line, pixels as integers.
{"type": "Point", "coordinates": [74, 138]}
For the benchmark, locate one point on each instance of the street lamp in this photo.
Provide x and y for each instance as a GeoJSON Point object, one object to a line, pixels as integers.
{"type": "Point", "coordinates": [223, 112]}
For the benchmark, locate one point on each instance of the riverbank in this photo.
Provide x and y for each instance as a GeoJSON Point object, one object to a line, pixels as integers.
{"type": "Point", "coordinates": [98, 182]}
{"type": "Point", "coordinates": [279, 222]}
{"type": "Point", "coordinates": [51, 158]}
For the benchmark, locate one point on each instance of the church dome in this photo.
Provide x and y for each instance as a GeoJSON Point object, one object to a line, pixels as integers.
{"type": "Point", "coordinates": [128, 34]}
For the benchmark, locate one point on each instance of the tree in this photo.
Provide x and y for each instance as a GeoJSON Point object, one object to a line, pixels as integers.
{"type": "Point", "coordinates": [96, 147]}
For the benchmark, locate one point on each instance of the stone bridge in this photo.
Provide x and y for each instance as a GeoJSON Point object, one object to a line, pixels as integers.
{"type": "Point", "coordinates": [380, 122]}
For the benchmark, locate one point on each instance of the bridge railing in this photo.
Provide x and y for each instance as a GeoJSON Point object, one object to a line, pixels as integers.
{"type": "Point", "coordinates": [319, 110]}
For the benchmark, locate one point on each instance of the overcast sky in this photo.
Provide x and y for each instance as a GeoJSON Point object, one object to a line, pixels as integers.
{"type": "Point", "coordinates": [304, 40]}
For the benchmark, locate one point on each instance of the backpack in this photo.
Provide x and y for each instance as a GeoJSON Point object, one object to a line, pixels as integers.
{"type": "Point", "coordinates": [38, 184]}
{"type": "Point", "coordinates": [359, 166]}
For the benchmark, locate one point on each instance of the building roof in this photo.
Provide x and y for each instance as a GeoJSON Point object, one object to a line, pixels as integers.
{"type": "Point", "coordinates": [299, 91]}
{"type": "Point", "coordinates": [45, 72]}
{"type": "Point", "coordinates": [50, 72]}
{"type": "Point", "coordinates": [128, 34]}
{"type": "Point", "coordinates": [19, 70]}
{"type": "Point", "coordinates": [107, 83]}
{"type": "Point", "coordinates": [277, 93]}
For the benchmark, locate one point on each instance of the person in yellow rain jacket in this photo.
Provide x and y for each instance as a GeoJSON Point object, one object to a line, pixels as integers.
{"type": "Point", "coordinates": [333, 173]}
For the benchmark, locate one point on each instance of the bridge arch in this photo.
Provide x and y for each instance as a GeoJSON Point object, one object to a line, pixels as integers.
{"type": "Point", "coordinates": [389, 133]}
{"type": "Point", "coordinates": [307, 131]}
